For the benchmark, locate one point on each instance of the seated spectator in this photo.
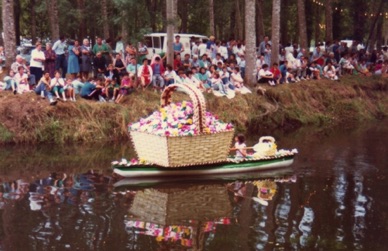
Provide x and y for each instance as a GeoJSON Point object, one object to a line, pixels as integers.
{"type": "Point", "coordinates": [99, 64]}
{"type": "Point", "coordinates": [276, 73]}
{"type": "Point", "coordinates": [57, 86]}
{"type": "Point", "coordinates": [283, 71]}
{"type": "Point", "coordinates": [203, 76]}
{"type": "Point", "coordinates": [362, 68]}
{"type": "Point", "coordinates": [345, 65]}
{"type": "Point", "coordinates": [119, 65]}
{"type": "Point", "coordinates": [132, 68]}
{"type": "Point", "coordinates": [111, 89]}
{"type": "Point", "coordinates": [69, 90]}
{"type": "Point", "coordinates": [242, 65]}
{"type": "Point", "coordinates": [92, 89]}
{"type": "Point", "coordinates": [217, 59]}
{"type": "Point", "coordinates": [315, 72]}
{"type": "Point", "coordinates": [329, 71]}
{"type": "Point", "coordinates": [195, 61]}
{"type": "Point", "coordinates": [21, 79]}
{"type": "Point", "coordinates": [187, 62]}
{"type": "Point", "coordinates": [217, 83]}
{"type": "Point", "coordinates": [10, 83]}
{"type": "Point", "coordinates": [204, 62]}
{"type": "Point", "coordinates": [177, 62]}
{"type": "Point", "coordinates": [43, 88]}
{"type": "Point", "coordinates": [20, 62]}
{"type": "Point", "coordinates": [236, 78]}
{"type": "Point", "coordinates": [112, 73]}
{"type": "Point", "coordinates": [266, 76]}
{"type": "Point", "coordinates": [126, 87]}
{"type": "Point", "coordinates": [77, 84]}
{"type": "Point", "coordinates": [169, 75]}
{"type": "Point", "coordinates": [145, 74]}
{"type": "Point", "coordinates": [157, 73]}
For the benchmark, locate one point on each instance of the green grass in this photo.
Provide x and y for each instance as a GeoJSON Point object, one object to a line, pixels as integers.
{"type": "Point", "coordinates": [28, 119]}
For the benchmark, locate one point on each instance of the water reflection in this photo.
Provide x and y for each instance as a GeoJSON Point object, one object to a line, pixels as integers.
{"type": "Point", "coordinates": [333, 198]}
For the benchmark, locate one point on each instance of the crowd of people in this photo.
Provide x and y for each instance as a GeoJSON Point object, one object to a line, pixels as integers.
{"type": "Point", "coordinates": [66, 69]}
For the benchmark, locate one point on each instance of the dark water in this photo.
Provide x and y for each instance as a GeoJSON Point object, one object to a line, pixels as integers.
{"type": "Point", "coordinates": [334, 197]}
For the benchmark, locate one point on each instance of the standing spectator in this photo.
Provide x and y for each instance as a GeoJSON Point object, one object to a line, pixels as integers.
{"type": "Point", "coordinates": [100, 47]}
{"type": "Point", "coordinates": [178, 46]}
{"type": "Point", "coordinates": [37, 60]}
{"type": "Point", "coordinates": [49, 63]}
{"type": "Point", "coordinates": [60, 60]}
{"type": "Point", "coordinates": [73, 61]}
{"type": "Point", "coordinates": [120, 46]}
{"type": "Point", "coordinates": [86, 60]}
{"type": "Point", "coordinates": [267, 54]}
{"type": "Point", "coordinates": [202, 49]}
{"type": "Point", "coordinates": [263, 44]}
{"type": "Point", "coordinates": [211, 47]}
{"type": "Point", "coordinates": [194, 49]}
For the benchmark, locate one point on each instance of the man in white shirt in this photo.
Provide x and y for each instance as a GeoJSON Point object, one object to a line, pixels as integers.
{"type": "Point", "coordinates": [265, 76]}
{"type": "Point", "coordinates": [37, 60]}
{"type": "Point", "coordinates": [60, 61]}
{"type": "Point", "coordinates": [202, 49]}
{"type": "Point", "coordinates": [20, 62]}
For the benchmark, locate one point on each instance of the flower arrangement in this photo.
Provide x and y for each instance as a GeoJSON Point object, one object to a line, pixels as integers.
{"type": "Point", "coordinates": [176, 119]}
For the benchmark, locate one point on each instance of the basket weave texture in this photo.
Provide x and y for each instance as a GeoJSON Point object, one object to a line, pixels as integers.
{"type": "Point", "coordinates": [174, 206]}
{"type": "Point", "coordinates": [181, 151]}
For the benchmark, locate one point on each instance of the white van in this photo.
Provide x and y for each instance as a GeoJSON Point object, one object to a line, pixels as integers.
{"type": "Point", "coordinates": [157, 43]}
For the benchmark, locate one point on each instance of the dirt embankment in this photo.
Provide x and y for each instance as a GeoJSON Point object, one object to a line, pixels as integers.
{"type": "Point", "coordinates": [29, 119]}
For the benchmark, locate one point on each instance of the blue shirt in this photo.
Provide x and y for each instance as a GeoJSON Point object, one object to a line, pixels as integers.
{"type": "Point", "coordinates": [59, 47]}
{"type": "Point", "coordinates": [87, 89]}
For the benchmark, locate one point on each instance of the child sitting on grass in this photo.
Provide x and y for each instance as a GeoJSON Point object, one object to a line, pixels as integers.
{"type": "Point", "coordinates": [125, 88]}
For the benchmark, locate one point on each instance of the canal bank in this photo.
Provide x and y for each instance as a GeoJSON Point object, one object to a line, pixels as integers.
{"type": "Point", "coordinates": [29, 119]}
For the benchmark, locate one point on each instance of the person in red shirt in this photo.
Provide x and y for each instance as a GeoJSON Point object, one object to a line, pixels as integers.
{"type": "Point", "coordinates": [177, 62]}
{"type": "Point", "coordinates": [276, 72]}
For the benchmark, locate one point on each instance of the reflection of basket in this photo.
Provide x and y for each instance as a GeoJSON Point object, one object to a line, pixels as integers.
{"type": "Point", "coordinates": [175, 206]}
{"type": "Point", "coordinates": [265, 147]}
{"type": "Point", "coordinates": [170, 151]}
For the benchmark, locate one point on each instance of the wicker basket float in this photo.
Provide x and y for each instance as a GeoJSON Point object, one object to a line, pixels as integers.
{"type": "Point", "coordinates": [180, 151]}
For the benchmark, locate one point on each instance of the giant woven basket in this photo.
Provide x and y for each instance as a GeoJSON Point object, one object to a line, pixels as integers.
{"type": "Point", "coordinates": [181, 151]}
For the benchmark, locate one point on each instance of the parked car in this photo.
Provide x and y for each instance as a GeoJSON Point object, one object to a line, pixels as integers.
{"type": "Point", "coordinates": [157, 43]}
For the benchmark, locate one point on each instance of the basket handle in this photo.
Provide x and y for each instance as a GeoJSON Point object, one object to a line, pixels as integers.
{"type": "Point", "coordinates": [267, 138]}
{"type": "Point", "coordinates": [197, 98]}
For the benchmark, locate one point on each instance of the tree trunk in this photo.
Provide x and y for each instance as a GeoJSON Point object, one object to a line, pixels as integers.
{"type": "Point", "coordinates": [33, 21]}
{"type": "Point", "coordinates": [52, 8]}
{"type": "Point", "coordinates": [239, 25]}
{"type": "Point", "coordinates": [260, 32]}
{"type": "Point", "coordinates": [359, 19]}
{"type": "Point", "coordinates": [164, 15]}
{"type": "Point", "coordinates": [17, 12]}
{"type": "Point", "coordinates": [104, 14]}
{"type": "Point", "coordinates": [211, 17]}
{"type": "Point", "coordinates": [379, 33]}
{"type": "Point", "coordinates": [250, 41]}
{"type": "Point", "coordinates": [9, 31]}
{"type": "Point", "coordinates": [285, 14]}
{"type": "Point", "coordinates": [82, 20]}
{"type": "Point", "coordinates": [329, 20]}
{"type": "Point", "coordinates": [182, 10]}
{"type": "Point", "coordinates": [170, 30]}
{"type": "Point", "coordinates": [302, 25]}
{"type": "Point", "coordinates": [275, 37]}
{"type": "Point", "coordinates": [317, 22]}
{"type": "Point", "coordinates": [371, 42]}
{"type": "Point", "coordinates": [124, 28]}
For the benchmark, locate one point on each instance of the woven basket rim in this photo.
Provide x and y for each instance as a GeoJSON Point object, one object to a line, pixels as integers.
{"type": "Point", "coordinates": [177, 136]}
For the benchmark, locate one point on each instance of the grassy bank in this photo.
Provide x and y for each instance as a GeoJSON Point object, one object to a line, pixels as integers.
{"type": "Point", "coordinates": [29, 119]}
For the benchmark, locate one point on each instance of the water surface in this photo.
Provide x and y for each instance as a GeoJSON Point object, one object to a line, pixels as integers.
{"type": "Point", "coordinates": [332, 198]}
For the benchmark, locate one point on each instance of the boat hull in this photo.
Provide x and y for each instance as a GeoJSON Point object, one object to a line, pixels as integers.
{"type": "Point", "coordinates": [216, 169]}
